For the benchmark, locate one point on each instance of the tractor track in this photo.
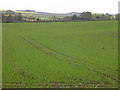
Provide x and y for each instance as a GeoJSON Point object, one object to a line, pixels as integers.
{"type": "Point", "coordinates": [70, 57]}
{"type": "Point", "coordinates": [74, 58]}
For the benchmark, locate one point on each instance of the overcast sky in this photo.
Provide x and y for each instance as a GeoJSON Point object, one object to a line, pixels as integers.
{"type": "Point", "coordinates": [62, 6]}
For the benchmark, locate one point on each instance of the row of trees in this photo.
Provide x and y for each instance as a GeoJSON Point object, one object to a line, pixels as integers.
{"type": "Point", "coordinates": [7, 18]}
{"type": "Point", "coordinates": [11, 16]}
{"type": "Point", "coordinates": [88, 16]}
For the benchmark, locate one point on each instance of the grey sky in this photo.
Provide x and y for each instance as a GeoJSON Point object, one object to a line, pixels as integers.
{"type": "Point", "coordinates": [62, 6]}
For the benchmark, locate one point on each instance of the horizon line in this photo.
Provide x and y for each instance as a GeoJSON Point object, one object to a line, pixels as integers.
{"type": "Point", "coordinates": [59, 12]}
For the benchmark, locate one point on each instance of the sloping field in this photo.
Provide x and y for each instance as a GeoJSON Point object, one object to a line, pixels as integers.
{"type": "Point", "coordinates": [41, 15]}
{"type": "Point", "coordinates": [62, 54]}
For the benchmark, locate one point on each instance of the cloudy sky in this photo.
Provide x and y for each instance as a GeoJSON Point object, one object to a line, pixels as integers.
{"type": "Point", "coordinates": [62, 6]}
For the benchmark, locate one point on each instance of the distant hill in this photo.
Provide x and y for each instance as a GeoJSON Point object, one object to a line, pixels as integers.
{"type": "Point", "coordinates": [39, 14]}
{"type": "Point", "coordinates": [45, 14]}
{"type": "Point", "coordinates": [72, 13]}
{"type": "Point", "coordinates": [26, 10]}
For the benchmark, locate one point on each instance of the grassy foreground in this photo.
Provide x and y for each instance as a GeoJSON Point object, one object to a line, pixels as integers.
{"type": "Point", "coordinates": [62, 54]}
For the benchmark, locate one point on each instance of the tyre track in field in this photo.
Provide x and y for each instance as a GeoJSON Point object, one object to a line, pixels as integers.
{"type": "Point", "coordinates": [59, 58]}
{"type": "Point", "coordinates": [87, 63]}
{"type": "Point", "coordinates": [74, 58]}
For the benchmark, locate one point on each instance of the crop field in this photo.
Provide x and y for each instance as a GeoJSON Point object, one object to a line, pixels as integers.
{"type": "Point", "coordinates": [60, 55]}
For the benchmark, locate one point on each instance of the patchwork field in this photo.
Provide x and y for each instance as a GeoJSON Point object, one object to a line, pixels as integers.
{"type": "Point", "coordinates": [60, 55]}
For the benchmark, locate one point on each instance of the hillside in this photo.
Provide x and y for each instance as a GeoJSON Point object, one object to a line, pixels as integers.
{"type": "Point", "coordinates": [45, 14]}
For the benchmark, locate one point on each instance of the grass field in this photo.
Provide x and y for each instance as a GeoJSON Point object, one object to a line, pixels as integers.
{"type": "Point", "coordinates": [61, 54]}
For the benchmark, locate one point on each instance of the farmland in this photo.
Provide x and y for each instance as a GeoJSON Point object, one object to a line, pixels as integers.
{"type": "Point", "coordinates": [60, 54]}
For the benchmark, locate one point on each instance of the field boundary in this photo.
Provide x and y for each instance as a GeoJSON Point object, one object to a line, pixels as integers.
{"type": "Point", "coordinates": [119, 45]}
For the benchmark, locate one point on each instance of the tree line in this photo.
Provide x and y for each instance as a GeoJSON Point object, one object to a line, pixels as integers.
{"type": "Point", "coordinates": [10, 16]}
{"type": "Point", "coordinates": [88, 16]}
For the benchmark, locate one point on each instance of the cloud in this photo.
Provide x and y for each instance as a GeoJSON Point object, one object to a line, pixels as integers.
{"type": "Point", "coordinates": [62, 6]}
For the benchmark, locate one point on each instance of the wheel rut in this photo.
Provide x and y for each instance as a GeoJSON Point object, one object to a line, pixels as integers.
{"type": "Point", "coordinates": [61, 56]}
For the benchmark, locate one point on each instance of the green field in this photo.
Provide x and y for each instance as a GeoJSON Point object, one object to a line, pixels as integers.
{"type": "Point", "coordinates": [60, 54]}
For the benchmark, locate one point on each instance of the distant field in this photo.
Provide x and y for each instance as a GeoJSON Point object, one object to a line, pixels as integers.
{"type": "Point", "coordinates": [41, 15]}
{"type": "Point", "coordinates": [62, 54]}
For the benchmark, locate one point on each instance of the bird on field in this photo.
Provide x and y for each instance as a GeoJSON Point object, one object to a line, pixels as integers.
{"type": "Point", "coordinates": [102, 47]}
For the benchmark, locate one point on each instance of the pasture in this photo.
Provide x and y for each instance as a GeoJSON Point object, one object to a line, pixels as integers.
{"type": "Point", "coordinates": [60, 54]}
